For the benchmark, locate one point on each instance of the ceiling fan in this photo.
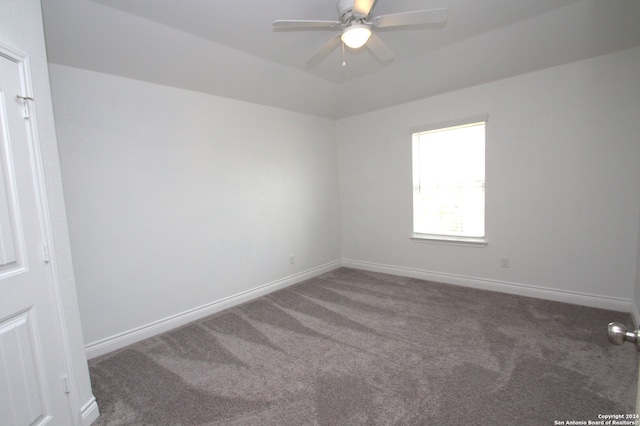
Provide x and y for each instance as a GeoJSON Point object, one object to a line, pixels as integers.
{"type": "Point", "coordinates": [356, 25]}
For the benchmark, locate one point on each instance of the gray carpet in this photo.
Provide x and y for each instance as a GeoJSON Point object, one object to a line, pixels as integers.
{"type": "Point", "coordinates": [359, 348]}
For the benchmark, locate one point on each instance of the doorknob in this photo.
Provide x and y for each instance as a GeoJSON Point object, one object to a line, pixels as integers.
{"type": "Point", "coordinates": [618, 334]}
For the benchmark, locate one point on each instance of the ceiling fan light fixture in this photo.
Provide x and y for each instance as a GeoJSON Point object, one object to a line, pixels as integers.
{"type": "Point", "coordinates": [356, 35]}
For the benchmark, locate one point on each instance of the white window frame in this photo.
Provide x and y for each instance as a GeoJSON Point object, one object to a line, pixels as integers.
{"type": "Point", "coordinates": [447, 239]}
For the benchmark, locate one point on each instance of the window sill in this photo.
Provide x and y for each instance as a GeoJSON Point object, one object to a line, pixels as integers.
{"type": "Point", "coordinates": [450, 239]}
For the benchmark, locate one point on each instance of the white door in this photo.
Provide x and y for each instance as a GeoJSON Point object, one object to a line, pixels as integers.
{"type": "Point", "coordinates": [32, 369]}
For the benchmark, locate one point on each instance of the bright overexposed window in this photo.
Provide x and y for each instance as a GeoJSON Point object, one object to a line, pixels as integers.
{"type": "Point", "coordinates": [449, 182]}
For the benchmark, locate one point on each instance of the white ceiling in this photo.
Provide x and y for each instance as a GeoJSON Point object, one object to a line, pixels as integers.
{"type": "Point", "coordinates": [229, 48]}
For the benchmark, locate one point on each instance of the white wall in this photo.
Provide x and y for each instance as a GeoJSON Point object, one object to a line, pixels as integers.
{"type": "Point", "coordinates": [177, 199]}
{"type": "Point", "coordinates": [21, 28]}
{"type": "Point", "coordinates": [563, 166]}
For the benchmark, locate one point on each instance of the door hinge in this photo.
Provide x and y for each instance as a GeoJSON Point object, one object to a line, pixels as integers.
{"type": "Point", "coordinates": [25, 110]}
{"type": "Point", "coordinates": [65, 384]}
{"type": "Point", "coordinates": [45, 252]}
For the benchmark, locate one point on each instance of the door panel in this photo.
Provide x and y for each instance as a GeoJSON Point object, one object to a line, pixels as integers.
{"type": "Point", "coordinates": [12, 256]}
{"type": "Point", "coordinates": [21, 373]}
{"type": "Point", "coordinates": [7, 247]}
{"type": "Point", "coordinates": [32, 369]}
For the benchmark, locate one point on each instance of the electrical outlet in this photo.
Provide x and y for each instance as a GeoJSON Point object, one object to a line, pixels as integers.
{"type": "Point", "coordinates": [292, 260]}
{"type": "Point", "coordinates": [504, 262]}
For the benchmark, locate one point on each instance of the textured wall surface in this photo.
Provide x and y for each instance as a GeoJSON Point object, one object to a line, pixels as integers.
{"type": "Point", "coordinates": [177, 198]}
{"type": "Point", "coordinates": [562, 175]}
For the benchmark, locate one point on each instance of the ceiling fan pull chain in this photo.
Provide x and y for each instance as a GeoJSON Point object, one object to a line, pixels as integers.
{"type": "Point", "coordinates": [344, 63]}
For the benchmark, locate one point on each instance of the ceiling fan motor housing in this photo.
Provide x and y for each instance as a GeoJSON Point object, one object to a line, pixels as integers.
{"type": "Point", "coordinates": [345, 10]}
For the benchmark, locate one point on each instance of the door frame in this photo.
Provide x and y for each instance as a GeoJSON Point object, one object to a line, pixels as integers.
{"type": "Point", "coordinates": [21, 59]}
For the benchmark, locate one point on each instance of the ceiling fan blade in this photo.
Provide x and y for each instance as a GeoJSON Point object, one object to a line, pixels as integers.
{"type": "Point", "coordinates": [323, 52]}
{"type": "Point", "coordinates": [379, 49]}
{"type": "Point", "coordinates": [363, 8]}
{"type": "Point", "coordinates": [419, 17]}
{"type": "Point", "coordinates": [282, 23]}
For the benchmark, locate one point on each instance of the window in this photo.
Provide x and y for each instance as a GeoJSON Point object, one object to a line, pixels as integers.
{"type": "Point", "coordinates": [449, 180]}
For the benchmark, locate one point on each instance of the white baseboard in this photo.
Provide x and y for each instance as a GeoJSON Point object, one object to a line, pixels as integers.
{"type": "Point", "coordinates": [591, 300]}
{"type": "Point", "coordinates": [89, 412]}
{"type": "Point", "coordinates": [126, 338]}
